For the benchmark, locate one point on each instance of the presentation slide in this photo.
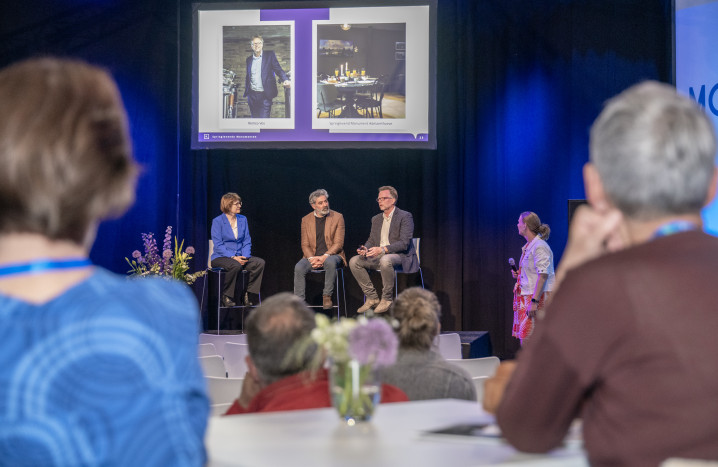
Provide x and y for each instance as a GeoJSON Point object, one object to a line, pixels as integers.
{"type": "Point", "coordinates": [696, 71]}
{"type": "Point", "coordinates": [281, 76]}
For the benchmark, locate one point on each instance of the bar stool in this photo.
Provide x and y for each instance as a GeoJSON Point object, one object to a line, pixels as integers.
{"type": "Point", "coordinates": [340, 272]}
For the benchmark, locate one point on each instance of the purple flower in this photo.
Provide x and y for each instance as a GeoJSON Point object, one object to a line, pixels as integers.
{"type": "Point", "coordinates": [374, 342]}
{"type": "Point", "coordinates": [189, 250]}
{"type": "Point", "coordinates": [167, 244]}
{"type": "Point", "coordinates": [167, 254]}
{"type": "Point", "coordinates": [136, 254]}
{"type": "Point", "coordinates": [152, 257]}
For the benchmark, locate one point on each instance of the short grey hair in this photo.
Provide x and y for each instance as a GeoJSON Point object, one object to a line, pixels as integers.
{"type": "Point", "coordinates": [316, 194]}
{"type": "Point", "coordinates": [273, 331]}
{"type": "Point", "coordinates": [418, 312]}
{"type": "Point", "coordinates": [392, 191]}
{"type": "Point", "coordinates": [654, 151]}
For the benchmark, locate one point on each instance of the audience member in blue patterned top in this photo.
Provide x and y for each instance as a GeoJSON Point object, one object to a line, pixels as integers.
{"type": "Point", "coordinates": [95, 369]}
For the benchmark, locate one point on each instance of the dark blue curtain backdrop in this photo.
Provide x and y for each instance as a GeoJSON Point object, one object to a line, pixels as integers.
{"type": "Point", "coordinates": [518, 85]}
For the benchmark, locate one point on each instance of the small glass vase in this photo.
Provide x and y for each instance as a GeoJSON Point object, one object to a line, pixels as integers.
{"type": "Point", "coordinates": [355, 390]}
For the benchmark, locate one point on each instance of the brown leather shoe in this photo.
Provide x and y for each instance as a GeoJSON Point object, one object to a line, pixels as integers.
{"type": "Point", "coordinates": [368, 305]}
{"type": "Point", "coordinates": [383, 306]}
{"type": "Point", "coordinates": [327, 302]}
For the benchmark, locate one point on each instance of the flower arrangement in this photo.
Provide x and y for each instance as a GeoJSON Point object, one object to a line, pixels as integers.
{"type": "Point", "coordinates": [369, 341]}
{"type": "Point", "coordinates": [355, 347]}
{"type": "Point", "coordinates": [174, 263]}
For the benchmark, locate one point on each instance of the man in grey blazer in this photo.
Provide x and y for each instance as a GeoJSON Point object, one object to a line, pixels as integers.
{"type": "Point", "coordinates": [389, 246]}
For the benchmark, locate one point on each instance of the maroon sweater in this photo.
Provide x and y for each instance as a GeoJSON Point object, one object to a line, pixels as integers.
{"type": "Point", "coordinates": [630, 344]}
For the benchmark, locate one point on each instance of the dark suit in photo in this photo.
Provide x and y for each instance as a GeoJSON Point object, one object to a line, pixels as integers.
{"type": "Point", "coordinates": [260, 102]}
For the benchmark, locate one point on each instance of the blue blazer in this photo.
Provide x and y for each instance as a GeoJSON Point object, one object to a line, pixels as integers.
{"type": "Point", "coordinates": [225, 245]}
{"type": "Point", "coordinates": [401, 232]}
{"type": "Point", "coordinates": [270, 66]}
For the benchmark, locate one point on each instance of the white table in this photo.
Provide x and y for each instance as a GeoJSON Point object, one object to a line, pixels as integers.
{"type": "Point", "coordinates": [393, 438]}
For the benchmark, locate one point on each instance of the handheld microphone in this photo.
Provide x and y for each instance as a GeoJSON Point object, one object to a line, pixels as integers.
{"type": "Point", "coordinates": [512, 263]}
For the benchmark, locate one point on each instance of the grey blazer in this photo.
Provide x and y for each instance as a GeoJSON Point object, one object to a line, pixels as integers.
{"type": "Point", "coordinates": [401, 232]}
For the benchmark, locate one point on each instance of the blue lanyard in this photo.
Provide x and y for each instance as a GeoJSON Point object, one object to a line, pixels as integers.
{"type": "Point", "coordinates": [43, 265]}
{"type": "Point", "coordinates": [674, 227]}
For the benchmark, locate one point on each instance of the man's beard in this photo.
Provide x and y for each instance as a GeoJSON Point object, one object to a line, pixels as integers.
{"type": "Point", "coordinates": [322, 212]}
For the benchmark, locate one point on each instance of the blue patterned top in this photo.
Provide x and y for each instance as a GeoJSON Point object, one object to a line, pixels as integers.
{"type": "Point", "coordinates": [104, 374]}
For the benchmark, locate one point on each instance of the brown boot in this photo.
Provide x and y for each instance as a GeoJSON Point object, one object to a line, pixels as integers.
{"type": "Point", "coordinates": [383, 306]}
{"type": "Point", "coordinates": [368, 305]}
{"type": "Point", "coordinates": [327, 302]}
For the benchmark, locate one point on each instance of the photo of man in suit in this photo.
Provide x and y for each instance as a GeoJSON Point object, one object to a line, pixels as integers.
{"type": "Point", "coordinates": [389, 245]}
{"type": "Point", "coordinates": [260, 85]}
{"type": "Point", "coordinates": [322, 246]}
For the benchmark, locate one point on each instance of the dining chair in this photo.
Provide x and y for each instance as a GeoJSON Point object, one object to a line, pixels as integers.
{"type": "Point", "coordinates": [476, 367]}
{"type": "Point", "coordinates": [213, 366]}
{"type": "Point", "coordinates": [234, 359]}
{"type": "Point", "coordinates": [373, 102]}
{"type": "Point", "coordinates": [217, 410]}
{"type": "Point", "coordinates": [206, 350]}
{"type": "Point", "coordinates": [328, 99]}
{"type": "Point", "coordinates": [223, 390]}
{"type": "Point", "coordinates": [479, 386]}
{"type": "Point", "coordinates": [219, 341]}
{"type": "Point", "coordinates": [448, 345]}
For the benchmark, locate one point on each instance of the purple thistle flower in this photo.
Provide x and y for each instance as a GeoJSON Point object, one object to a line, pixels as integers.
{"type": "Point", "coordinates": [167, 254]}
{"type": "Point", "coordinates": [374, 342]}
{"type": "Point", "coordinates": [136, 254]}
{"type": "Point", "coordinates": [189, 250]}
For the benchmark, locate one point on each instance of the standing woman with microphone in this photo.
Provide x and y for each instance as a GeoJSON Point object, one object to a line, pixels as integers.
{"type": "Point", "coordinates": [535, 275]}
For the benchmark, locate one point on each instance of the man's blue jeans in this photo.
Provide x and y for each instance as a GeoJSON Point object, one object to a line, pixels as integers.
{"type": "Point", "coordinates": [330, 275]}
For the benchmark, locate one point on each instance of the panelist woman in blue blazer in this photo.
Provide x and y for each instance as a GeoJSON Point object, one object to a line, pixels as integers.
{"type": "Point", "coordinates": [233, 250]}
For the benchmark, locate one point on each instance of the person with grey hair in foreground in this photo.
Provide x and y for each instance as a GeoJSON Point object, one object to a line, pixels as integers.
{"type": "Point", "coordinates": [419, 371]}
{"type": "Point", "coordinates": [628, 339]}
{"type": "Point", "coordinates": [322, 246]}
{"type": "Point", "coordinates": [278, 379]}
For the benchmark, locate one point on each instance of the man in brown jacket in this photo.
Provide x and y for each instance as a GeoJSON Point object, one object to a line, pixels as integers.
{"type": "Point", "coordinates": [322, 246]}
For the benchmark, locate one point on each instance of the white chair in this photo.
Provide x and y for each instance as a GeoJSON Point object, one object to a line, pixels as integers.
{"type": "Point", "coordinates": [479, 385]}
{"type": "Point", "coordinates": [217, 410]}
{"type": "Point", "coordinates": [448, 345]}
{"type": "Point", "coordinates": [223, 390]}
{"type": "Point", "coordinates": [220, 339]}
{"type": "Point", "coordinates": [477, 366]}
{"type": "Point", "coordinates": [206, 350]}
{"type": "Point", "coordinates": [234, 359]}
{"type": "Point", "coordinates": [213, 366]}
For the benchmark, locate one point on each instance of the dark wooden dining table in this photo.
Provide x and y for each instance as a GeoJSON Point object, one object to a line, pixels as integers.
{"type": "Point", "coordinates": [348, 92]}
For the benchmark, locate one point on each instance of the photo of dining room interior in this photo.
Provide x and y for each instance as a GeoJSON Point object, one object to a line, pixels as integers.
{"type": "Point", "coordinates": [359, 74]}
